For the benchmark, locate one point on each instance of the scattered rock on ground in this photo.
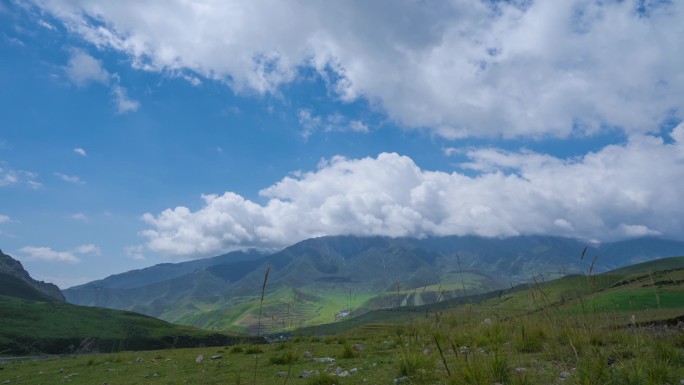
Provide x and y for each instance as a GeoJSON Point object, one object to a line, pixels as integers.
{"type": "Point", "coordinates": [139, 360]}
{"type": "Point", "coordinates": [309, 373]}
{"type": "Point", "coordinates": [341, 372]}
{"type": "Point", "coordinates": [324, 359]}
{"type": "Point", "coordinates": [357, 347]}
{"type": "Point", "coordinates": [216, 357]}
{"type": "Point", "coordinates": [564, 375]}
{"type": "Point", "coordinates": [401, 380]}
{"type": "Point", "coordinates": [281, 374]}
{"type": "Point", "coordinates": [199, 358]}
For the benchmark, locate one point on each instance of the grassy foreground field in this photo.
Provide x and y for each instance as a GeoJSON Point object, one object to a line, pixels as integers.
{"type": "Point", "coordinates": [464, 346]}
{"type": "Point", "coordinates": [623, 327]}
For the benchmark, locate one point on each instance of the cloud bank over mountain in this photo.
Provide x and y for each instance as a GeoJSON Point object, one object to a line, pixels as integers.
{"type": "Point", "coordinates": [619, 192]}
{"type": "Point", "coordinates": [458, 71]}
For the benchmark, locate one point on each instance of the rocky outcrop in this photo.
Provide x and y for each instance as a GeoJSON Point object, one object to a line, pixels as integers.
{"type": "Point", "coordinates": [11, 266]}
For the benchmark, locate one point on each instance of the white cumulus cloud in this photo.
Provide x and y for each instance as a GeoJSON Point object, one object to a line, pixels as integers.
{"type": "Point", "coordinates": [10, 177]}
{"type": "Point", "coordinates": [124, 104]}
{"type": "Point", "coordinates": [311, 123]}
{"type": "Point", "coordinates": [136, 252]}
{"type": "Point", "coordinates": [69, 178]}
{"type": "Point", "coordinates": [88, 249]}
{"type": "Point", "coordinates": [620, 191]}
{"type": "Point", "coordinates": [80, 151]}
{"type": "Point", "coordinates": [47, 25]}
{"type": "Point", "coordinates": [83, 69]}
{"type": "Point", "coordinates": [4, 218]}
{"type": "Point", "coordinates": [47, 254]}
{"type": "Point", "coordinates": [460, 68]}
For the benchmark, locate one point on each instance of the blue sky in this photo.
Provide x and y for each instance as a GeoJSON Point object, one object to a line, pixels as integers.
{"type": "Point", "coordinates": [134, 133]}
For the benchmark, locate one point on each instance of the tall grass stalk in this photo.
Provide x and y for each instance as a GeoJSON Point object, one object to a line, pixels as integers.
{"type": "Point", "coordinates": [593, 277]}
{"type": "Point", "coordinates": [441, 354]}
{"type": "Point", "coordinates": [655, 288]}
{"type": "Point", "coordinates": [289, 368]}
{"type": "Point", "coordinates": [584, 252]}
{"type": "Point", "coordinates": [458, 259]}
{"type": "Point", "coordinates": [261, 305]}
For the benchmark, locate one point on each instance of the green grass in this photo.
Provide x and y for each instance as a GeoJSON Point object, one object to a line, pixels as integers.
{"type": "Point", "coordinates": [563, 331]}
{"type": "Point", "coordinates": [655, 265]}
{"type": "Point", "coordinates": [287, 357]}
{"type": "Point", "coordinates": [474, 352]}
{"type": "Point", "coordinates": [29, 327]}
{"type": "Point", "coordinates": [633, 300]}
{"type": "Point", "coordinates": [284, 310]}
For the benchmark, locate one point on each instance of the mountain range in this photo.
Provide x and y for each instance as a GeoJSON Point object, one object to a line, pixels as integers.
{"type": "Point", "coordinates": [35, 319]}
{"type": "Point", "coordinates": [323, 279]}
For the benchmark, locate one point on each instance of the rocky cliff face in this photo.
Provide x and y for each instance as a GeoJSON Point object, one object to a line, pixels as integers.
{"type": "Point", "coordinates": [11, 266]}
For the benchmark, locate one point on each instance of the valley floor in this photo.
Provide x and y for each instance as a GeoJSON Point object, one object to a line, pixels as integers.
{"type": "Point", "coordinates": [470, 345]}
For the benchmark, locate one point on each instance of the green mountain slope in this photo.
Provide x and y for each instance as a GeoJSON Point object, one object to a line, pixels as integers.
{"type": "Point", "coordinates": [324, 279]}
{"type": "Point", "coordinates": [33, 327]}
{"type": "Point", "coordinates": [165, 271]}
{"type": "Point", "coordinates": [643, 292]}
{"type": "Point", "coordinates": [11, 266]}
{"type": "Point", "coordinates": [33, 322]}
{"type": "Point", "coordinates": [651, 266]}
{"type": "Point", "coordinates": [13, 286]}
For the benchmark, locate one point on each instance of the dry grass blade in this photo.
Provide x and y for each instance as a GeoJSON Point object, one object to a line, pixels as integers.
{"type": "Point", "coordinates": [584, 251]}
{"type": "Point", "coordinates": [536, 283]}
{"type": "Point", "coordinates": [591, 268]}
{"type": "Point", "coordinates": [261, 305]}
{"type": "Point", "coordinates": [441, 354]}
{"type": "Point", "coordinates": [458, 259]}
{"type": "Point", "coordinates": [263, 286]}
{"type": "Point", "coordinates": [453, 346]}
{"type": "Point", "coordinates": [534, 297]}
